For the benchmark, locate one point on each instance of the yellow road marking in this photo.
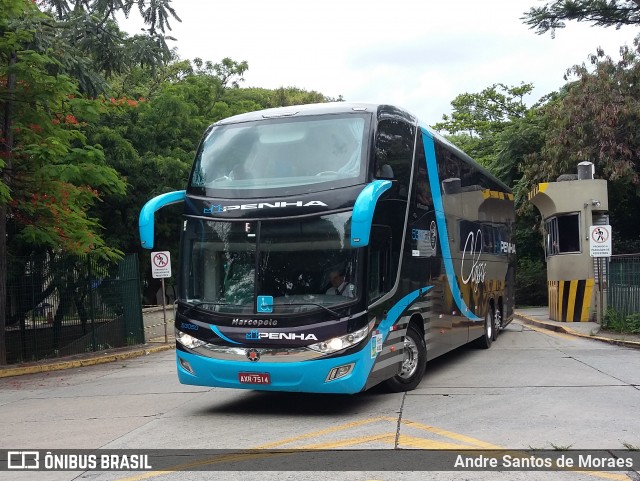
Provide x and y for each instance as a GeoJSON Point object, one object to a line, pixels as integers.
{"type": "Point", "coordinates": [390, 438]}
{"type": "Point", "coordinates": [605, 475]}
{"type": "Point", "coordinates": [422, 443]}
{"type": "Point", "coordinates": [448, 434]}
{"type": "Point", "coordinates": [351, 442]}
{"type": "Point", "coordinates": [341, 427]}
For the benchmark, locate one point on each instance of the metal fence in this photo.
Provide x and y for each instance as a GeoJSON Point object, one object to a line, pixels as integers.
{"type": "Point", "coordinates": [61, 305]}
{"type": "Point", "coordinates": [623, 287]}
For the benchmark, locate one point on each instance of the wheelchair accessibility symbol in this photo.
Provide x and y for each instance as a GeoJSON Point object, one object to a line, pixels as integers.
{"type": "Point", "coordinates": [265, 304]}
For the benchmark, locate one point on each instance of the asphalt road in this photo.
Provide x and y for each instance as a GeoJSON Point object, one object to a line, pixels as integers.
{"type": "Point", "coordinates": [532, 389]}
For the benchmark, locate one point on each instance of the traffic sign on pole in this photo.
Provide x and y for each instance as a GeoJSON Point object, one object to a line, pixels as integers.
{"type": "Point", "coordinates": [161, 264]}
{"type": "Point", "coordinates": [600, 240]}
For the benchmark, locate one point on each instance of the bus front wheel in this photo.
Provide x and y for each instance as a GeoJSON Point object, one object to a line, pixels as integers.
{"type": "Point", "coordinates": [413, 363]}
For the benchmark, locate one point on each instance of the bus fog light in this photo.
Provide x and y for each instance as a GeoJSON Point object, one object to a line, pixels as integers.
{"type": "Point", "coordinates": [340, 371]}
{"type": "Point", "coordinates": [186, 366]}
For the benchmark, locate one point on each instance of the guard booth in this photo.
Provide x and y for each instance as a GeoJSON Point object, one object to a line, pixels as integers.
{"type": "Point", "coordinates": [569, 207]}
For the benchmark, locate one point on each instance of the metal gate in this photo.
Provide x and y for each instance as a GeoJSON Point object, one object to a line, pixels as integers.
{"type": "Point", "coordinates": [623, 286]}
{"type": "Point", "coordinates": [62, 305]}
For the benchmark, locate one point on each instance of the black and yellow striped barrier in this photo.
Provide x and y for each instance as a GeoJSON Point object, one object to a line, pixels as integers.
{"type": "Point", "coordinates": [569, 301]}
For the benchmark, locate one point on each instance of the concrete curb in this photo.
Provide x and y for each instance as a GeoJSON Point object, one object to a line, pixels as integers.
{"type": "Point", "coordinates": [90, 361]}
{"type": "Point", "coordinates": [567, 330]}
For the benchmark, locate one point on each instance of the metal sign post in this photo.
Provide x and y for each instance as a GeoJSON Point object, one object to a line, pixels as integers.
{"type": "Point", "coordinates": [600, 248]}
{"type": "Point", "coordinates": [161, 269]}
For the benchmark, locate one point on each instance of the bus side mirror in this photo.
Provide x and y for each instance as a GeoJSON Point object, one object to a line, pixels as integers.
{"type": "Point", "coordinates": [146, 221]}
{"type": "Point", "coordinates": [363, 211]}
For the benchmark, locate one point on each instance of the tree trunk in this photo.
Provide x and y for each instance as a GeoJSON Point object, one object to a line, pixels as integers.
{"type": "Point", "coordinates": [6, 148]}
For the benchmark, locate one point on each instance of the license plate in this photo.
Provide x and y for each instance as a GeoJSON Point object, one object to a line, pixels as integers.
{"type": "Point", "coordinates": [254, 378]}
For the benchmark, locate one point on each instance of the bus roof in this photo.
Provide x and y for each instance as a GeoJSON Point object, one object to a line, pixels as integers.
{"type": "Point", "coordinates": [381, 110]}
{"type": "Point", "coordinates": [318, 109]}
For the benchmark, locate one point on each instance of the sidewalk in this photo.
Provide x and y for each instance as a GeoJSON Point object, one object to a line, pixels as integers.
{"type": "Point", "coordinates": [88, 359]}
{"type": "Point", "coordinates": [539, 316]}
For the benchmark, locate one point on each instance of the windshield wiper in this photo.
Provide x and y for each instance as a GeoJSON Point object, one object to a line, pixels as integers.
{"type": "Point", "coordinates": [210, 303]}
{"type": "Point", "coordinates": [331, 311]}
{"type": "Point", "coordinates": [201, 303]}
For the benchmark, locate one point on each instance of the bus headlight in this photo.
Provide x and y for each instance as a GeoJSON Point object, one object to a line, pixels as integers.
{"type": "Point", "coordinates": [188, 341]}
{"type": "Point", "coordinates": [339, 343]}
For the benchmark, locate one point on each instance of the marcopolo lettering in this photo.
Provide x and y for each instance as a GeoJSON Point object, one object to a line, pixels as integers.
{"type": "Point", "coordinates": [213, 209]}
{"type": "Point", "coordinates": [254, 322]}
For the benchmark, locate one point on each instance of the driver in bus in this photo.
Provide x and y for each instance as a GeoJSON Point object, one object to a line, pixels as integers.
{"type": "Point", "coordinates": [339, 285]}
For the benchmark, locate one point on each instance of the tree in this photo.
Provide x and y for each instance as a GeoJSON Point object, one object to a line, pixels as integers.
{"type": "Point", "coordinates": [92, 47]}
{"type": "Point", "coordinates": [50, 175]}
{"type": "Point", "coordinates": [604, 13]}
{"type": "Point", "coordinates": [478, 118]}
{"type": "Point", "coordinates": [596, 119]}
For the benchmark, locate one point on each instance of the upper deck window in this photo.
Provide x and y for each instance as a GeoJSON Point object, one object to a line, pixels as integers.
{"type": "Point", "coordinates": [281, 153]}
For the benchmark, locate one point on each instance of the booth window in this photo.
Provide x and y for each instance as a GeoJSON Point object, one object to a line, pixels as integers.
{"type": "Point", "coordinates": [563, 234]}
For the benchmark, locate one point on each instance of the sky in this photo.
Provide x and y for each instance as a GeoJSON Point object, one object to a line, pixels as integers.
{"type": "Point", "coordinates": [418, 55]}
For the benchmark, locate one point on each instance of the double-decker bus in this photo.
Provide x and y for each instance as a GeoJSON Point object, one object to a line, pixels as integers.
{"type": "Point", "coordinates": [333, 247]}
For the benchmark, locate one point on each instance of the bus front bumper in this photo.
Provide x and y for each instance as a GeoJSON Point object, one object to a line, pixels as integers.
{"type": "Point", "coordinates": [301, 376]}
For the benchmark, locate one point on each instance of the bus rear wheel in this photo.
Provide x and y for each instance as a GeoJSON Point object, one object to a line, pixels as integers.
{"type": "Point", "coordinates": [413, 363]}
{"type": "Point", "coordinates": [484, 342]}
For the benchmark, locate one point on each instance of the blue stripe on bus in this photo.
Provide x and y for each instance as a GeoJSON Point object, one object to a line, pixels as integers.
{"type": "Point", "coordinates": [222, 336]}
{"type": "Point", "coordinates": [398, 308]}
{"type": "Point", "coordinates": [363, 211]}
{"type": "Point", "coordinates": [438, 204]}
{"type": "Point", "coordinates": [145, 220]}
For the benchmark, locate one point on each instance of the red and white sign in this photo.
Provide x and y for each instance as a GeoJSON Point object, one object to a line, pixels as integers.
{"type": "Point", "coordinates": [161, 264]}
{"type": "Point", "coordinates": [600, 240]}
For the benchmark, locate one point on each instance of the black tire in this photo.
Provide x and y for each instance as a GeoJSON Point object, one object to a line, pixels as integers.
{"type": "Point", "coordinates": [413, 365]}
{"type": "Point", "coordinates": [485, 341]}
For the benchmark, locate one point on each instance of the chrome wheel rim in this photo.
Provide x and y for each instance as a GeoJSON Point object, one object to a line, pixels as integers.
{"type": "Point", "coordinates": [489, 324]}
{"type": "Point", "coordinates": [498, 320]}
{"type": "Point", "coordinates": [410, 361]}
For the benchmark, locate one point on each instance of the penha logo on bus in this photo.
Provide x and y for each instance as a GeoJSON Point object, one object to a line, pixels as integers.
{"type": "Point", "coordinates": [289, 336]}
{"type": "Point", "coordinates": [216, 208]}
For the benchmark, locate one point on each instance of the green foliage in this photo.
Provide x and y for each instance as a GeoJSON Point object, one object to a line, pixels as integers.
{"type": "Point", "coordinates": [91, 48]}
{"type": "Point", "coordinates": [595, 119]}
{"type": "Point", "coordinates": [54, 175]}
{"type": "Point", "coordinates": [604, 13]}
{"type": "Point", "coordinates": [486, 112]}
{"type": "Point", "coordinates": [618, 322]}
{"type": "Point", "coordinates": [531, 282]}
{"type": "Point", "coordinates": [483, 125]}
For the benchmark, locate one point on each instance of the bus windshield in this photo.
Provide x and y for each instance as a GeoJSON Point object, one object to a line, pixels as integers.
{"type": "Point", "coordinates": [303, 264]}
{"type": "Point", "coordinates": [279, 153]}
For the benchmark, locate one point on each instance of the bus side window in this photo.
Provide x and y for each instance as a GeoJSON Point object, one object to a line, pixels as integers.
{"type": "Point", "coordinates": [379, 269]}
{"type": "Point", "coordinates": [394, 152]}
